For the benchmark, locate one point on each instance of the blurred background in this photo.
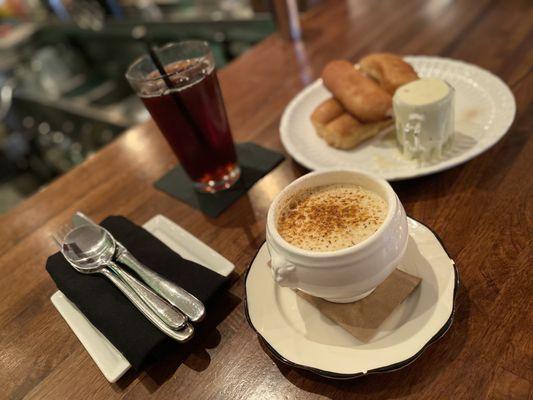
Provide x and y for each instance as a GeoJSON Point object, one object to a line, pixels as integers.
{"type": "Point", "coordinates": [63, 94]}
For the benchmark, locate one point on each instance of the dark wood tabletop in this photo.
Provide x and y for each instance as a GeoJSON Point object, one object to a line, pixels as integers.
{"type": "Point", "coordinates": [482, 210]}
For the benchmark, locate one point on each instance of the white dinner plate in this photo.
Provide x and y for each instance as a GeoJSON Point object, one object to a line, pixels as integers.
{"type": "Point", "coordinates": [484, 110]}
{"type": "Point", "coordinates": [106, 356]}
{"type": "Point", "coordinates": [295, 332]}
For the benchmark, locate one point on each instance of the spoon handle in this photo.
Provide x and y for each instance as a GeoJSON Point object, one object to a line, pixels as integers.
{"type": "Point", "coordinates": [174, 294]}
{"type": "Point", "coordinates": [175, 319]}
{"type": "Point", "coordinates": [181, 335]}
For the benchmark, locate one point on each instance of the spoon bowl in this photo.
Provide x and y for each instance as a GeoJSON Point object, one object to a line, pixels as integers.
{"type": "Point", "coordinates": [88, 248]}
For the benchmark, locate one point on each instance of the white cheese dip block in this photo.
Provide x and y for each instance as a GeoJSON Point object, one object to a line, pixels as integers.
{"type": "Point", "coordinates": [424, 115]}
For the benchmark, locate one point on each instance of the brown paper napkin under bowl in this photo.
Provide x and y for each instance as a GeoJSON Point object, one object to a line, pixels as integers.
{"type": "Point", "coordinates": [363, 318]}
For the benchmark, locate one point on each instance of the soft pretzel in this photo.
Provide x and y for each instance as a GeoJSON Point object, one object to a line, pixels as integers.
{"type": "Point", "coordinates": [359, 95]}
{"type": "Point", "coordinates": [389, 70]}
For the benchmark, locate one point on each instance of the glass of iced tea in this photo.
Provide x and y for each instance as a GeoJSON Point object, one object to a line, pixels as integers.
{"type": "Point", "coordinates": [187, 106]}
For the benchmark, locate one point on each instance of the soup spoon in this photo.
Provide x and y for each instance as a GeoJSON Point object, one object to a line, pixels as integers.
{"type": "Point", "coordinates": [180, 298]}
{"type": "Point", "coordinates": [89, 251]}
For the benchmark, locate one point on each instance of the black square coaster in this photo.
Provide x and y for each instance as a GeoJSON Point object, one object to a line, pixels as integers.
{"type": "Point", "coordinates": [255, 162]}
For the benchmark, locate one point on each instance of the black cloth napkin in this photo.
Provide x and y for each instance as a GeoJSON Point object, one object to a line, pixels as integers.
{"type": "Point", "coordinates": [255, 162]}
{"type": "Point", "coordinates": [111, 312]}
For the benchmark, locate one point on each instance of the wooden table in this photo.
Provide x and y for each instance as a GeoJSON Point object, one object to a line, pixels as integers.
{"type": "Point", "coordinates": [482, 211]}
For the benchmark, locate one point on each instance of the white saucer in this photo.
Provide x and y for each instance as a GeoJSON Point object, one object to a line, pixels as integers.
{"type": "Point", "coordinates": [299, 335]}
{"type": "Point", "coordinates": [106, 356]}
{"type": "Point", "coordinates": [484, 110]}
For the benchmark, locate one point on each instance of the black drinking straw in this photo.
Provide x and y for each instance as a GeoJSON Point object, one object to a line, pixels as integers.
{"type": "Point", "coordinates": [139, 33]}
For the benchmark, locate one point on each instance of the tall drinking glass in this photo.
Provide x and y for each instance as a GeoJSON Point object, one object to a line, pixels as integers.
{"type": "Point", "coordinates": [187, 106]}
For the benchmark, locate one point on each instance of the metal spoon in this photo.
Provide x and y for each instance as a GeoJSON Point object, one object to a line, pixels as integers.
{"type": "Point", "coordinates": [174, 294]}
{"type": "Point", "coordinates": [88, 251]}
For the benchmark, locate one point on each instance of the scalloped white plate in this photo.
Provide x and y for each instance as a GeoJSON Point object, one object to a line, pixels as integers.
{"type": "Point", "coordinates": [484, 110]}
{"type": "Point", "coordinates": [298, 334]}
